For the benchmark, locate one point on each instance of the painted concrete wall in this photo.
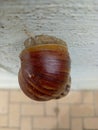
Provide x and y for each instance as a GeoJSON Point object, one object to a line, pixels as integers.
{"type": "Point", "coordinates": [75, 21]}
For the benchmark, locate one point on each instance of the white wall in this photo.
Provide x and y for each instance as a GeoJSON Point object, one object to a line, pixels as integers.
{"type": "Point", "coordinates": [8, 80]}
{"type": "Point", "coordinates": [75, 21]}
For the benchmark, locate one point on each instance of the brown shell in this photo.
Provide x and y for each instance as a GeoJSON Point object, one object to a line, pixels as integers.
{"type": "Point", "coordinates": [45, 68]}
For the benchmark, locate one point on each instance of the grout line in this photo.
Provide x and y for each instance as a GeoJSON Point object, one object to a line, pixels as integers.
{"type": "Point", "coordinates": [8, 106]}
{"type": "Point", "coordinates": [82, 122]}
{"type": "Point", "coordinates": [44, 107]}
{"type": "Point", "coordinates": [70, 118]}
{"type": "Point", "coordinates": [45, 115]}
{"type": "Point", "coordinates": [57, 113]}
{"type": "Point", "coordinates": [94, 102]}
{"type": "Point", "coordinates": [82, 95]}
{"type": "Point", "coordinates": [32, 123]}
{"type": "Point", "coordinates": [20, 116]}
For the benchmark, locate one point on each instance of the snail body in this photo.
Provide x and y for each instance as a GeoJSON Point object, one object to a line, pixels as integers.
{"type": "Point", "coordinates": [45, 68]}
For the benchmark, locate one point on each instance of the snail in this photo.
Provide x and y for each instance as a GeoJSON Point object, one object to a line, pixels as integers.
{"type": "Point", "coordinates": [45, 68]}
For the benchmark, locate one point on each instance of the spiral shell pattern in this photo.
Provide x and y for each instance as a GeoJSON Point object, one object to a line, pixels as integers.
{"type": "Point", "coordinates": [45, 71]}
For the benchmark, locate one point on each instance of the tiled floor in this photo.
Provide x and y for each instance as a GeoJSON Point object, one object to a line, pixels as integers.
{"type": "Point", "coordinates": [77, 111]}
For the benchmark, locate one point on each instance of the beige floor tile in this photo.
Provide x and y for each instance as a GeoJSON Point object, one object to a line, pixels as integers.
{"type": "Point", "coordinates": [77, 109]}
{"type": "Point", "coordinates": [88, 96]}
{"type": "Point", "coordinates": [14, 115]}
{"type": "Point", "coordinates": [3, 121]}
{"type": "Point", "coordinates": [96, 97]}
{"type": "Point", "coordinates": [45, 122]}
{"type": "Point", "coordinates": [76, 124]}
{"type": "Point", "coordinates": [72, 97]}
{"type": "Point", "coordinates": [3, 102]}
{"type": "Point", "coordinates": [63, 117]}
{"type": "Point", "coordinates": [18, 96]}
{"type": "Point", "coordinates": [96, 102]}
{"type": "Point", "coordinates": [32, 109]}
{"type": "Point", "coordinates": [82, 110]}
{"type": "Point", "coordinates": [26, 123]}
{"type": "Point", "coordinates": [51, 107]}
{"type": "Point", "coordinates": [91, 123]}
{"type": "Point", "coordinates": [96, 109]}
{"type": "Point", "coordinates": [9, 128]}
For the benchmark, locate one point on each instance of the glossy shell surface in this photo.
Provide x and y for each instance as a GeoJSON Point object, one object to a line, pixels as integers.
{"type": "Point", "coordinates": [45, 71]}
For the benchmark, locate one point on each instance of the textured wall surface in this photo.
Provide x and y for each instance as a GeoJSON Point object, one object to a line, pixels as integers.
{"type": "Point", "coordinates": [75, 21]}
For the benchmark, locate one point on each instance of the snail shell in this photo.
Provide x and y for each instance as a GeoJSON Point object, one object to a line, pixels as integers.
{"type": "Point", "coordinates": [45, 68]}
